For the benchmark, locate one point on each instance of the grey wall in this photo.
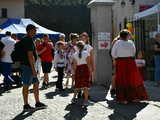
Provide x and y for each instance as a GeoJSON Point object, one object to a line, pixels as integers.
{"type": "Point", "coordinates": [101, 20]}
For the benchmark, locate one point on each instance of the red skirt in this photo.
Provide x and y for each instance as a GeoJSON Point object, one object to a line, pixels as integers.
{"type": "Point", "coordinates": [142, 72]}
{"type": "Point", "coordinates": [82, 76]}
{"type": "Point", "coordinates": [129, 83]}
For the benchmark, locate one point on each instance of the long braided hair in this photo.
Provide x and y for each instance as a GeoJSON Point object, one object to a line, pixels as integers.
{"type": "Point", "coordinates": [80, 45]}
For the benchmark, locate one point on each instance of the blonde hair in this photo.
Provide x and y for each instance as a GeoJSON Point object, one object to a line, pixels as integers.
{"type": "Point", "coordinates": [115, 39]}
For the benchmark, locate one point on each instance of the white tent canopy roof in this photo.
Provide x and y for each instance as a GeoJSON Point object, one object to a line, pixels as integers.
{"type": "Point", "coordinates": [155, 9]}
{"type": "Point", "coordinates": [21, 28]}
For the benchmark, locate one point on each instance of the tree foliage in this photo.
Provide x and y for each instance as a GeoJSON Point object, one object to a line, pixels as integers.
{"type": "Point", "coordinates": [60, 15]}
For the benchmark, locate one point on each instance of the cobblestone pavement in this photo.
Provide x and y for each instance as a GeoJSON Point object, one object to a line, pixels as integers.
{"type": "Point", "coordinates": [103, 107]}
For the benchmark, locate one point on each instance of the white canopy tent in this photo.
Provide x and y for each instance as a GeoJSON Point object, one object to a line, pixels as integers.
{"type": "Point", "coordinates": [155, 10]}
{"type": "Point", "coordinates": [21, 28]}
{"type": "Point", "coordinates": [18, 26]}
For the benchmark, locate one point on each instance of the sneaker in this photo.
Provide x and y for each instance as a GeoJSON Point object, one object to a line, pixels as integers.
{"type": "Point", "coordinates": [27, 108]}
{"type": "Point", "coordinates": [40, 105]}
{"type": "Point", "coordinates": [74, 100]}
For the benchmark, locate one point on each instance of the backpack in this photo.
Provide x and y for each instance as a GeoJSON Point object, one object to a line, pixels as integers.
{"type": "Point", "coordinates": [18, 54]}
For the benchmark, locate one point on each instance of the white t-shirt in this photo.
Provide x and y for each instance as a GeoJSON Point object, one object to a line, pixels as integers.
{"type": "Point", "coordinates": [88, 48]}
{"type": "Point", "coordinates": [123, 48]}
{"type": "Point", "coordinates": [8, 49]}
{"type": "Point", "coordinates": [83, 59]}
{"type": "Point", "coordinates": [140, 62]}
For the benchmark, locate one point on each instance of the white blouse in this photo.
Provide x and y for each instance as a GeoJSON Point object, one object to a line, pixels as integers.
{"type": "Point", "coordinates": [83, 59]}
{"type": "Point", "coordinates": [123, 48]}
{"type": "Point", "coordinates": [88, 48]}
{"type": "Point", "coordinates": [59, 61]}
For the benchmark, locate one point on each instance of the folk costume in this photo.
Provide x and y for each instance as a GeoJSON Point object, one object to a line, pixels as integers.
{"type": "Point", "coordinates": [82, 74]}
{"type": "Point", "coordinates": [60, 63]}
{"type": "Point", "coordinates": [71, 49]}
{"type": "Point", "coordinates": [141, 65]}
{"type": "Point", "coordinates": [129, 83]}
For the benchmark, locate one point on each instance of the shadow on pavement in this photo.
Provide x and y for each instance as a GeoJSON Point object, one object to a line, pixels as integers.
{"type": "Point", "coordinates": [7, 90]}
{"type": "Point", "coordinates": [23, 115]}
{"type": "Point", "coordinates": [51, 84]}
{"type": "Point", "coordinates": [76, 112]}
{"type": "Point", "coordinates": [127, 112]}
{"type": "Point", "coordinates": [65, 93]}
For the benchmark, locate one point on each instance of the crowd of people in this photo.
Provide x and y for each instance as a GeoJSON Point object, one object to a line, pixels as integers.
{"type": "Point", "coordinates": [75, 59]}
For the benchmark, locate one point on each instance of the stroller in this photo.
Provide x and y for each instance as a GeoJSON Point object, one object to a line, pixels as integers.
{"type": "Point", "coordinates": [16, 74]}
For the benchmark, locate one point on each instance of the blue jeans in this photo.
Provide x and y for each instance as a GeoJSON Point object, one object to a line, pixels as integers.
{"type": "Point", "coordinates": [157, 68]}
{"type": "Point", "coordinates": [27, 77]}
{"type": "Point", "coordinates": [6, 72]}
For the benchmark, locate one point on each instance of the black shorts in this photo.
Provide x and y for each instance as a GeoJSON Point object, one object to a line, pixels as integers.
{"type": "Point", "coordinates": [46, 67]}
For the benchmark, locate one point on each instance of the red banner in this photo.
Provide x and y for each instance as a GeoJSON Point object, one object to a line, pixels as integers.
{"type": "Point", "coordinates": [144, 7]}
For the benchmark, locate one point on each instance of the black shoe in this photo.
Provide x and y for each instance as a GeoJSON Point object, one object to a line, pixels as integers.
{"type": "Point", "coordinates": [45, 85]}
{"type": "Point", "coordinates": [27, 108]}
{"type": "Point", "coordinates": [40, 105]}
{"type": "Point", "coordinates": [79, 94]}
{"type": "Point", "coordinates": [61, 89]}
{"type": "Point", "coordinates": [113, 92]}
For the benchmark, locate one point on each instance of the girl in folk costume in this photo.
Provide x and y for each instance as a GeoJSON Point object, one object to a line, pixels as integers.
{"type": "Point", "coordinates": [82, 68]}
{"type": "Point", "coordinates": [140, 62]}
{"type": "Point", "coordinates": [59, 64]}
{"type": "Point", "coordinates": [89, 49]}
{"type": "Point", "coordinates": [70, 50]}
{"type": "Point", "coordinates": [129, 83]}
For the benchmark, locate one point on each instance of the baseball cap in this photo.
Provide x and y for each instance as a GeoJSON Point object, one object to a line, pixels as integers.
{"type": "Point", "coordinates": [30, 27]}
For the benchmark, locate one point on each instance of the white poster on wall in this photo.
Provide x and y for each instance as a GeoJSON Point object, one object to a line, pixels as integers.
{"type": "Point", "coordinates": [104, 45]}
{"type": "Point", "coordinates": [104, 36]}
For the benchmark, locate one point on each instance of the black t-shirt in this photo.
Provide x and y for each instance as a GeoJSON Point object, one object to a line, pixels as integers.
{"type": "Point", "coordinates": [158, 46]}
{"type": "Point", "coordinates": [28, 45]}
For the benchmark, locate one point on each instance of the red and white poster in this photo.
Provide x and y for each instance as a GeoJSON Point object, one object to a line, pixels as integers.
{"type": "Point", "coordinates": [103, 45]}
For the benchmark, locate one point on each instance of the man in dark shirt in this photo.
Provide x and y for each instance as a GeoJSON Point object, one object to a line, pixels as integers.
{"type": "Point", "coordinates": [29, 75]}
{"type": "Point", "coordinates": [157, 59]}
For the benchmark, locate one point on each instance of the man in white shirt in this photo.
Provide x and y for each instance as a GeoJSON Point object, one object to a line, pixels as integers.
{"type": "Point", "coordinates": [6, 60]}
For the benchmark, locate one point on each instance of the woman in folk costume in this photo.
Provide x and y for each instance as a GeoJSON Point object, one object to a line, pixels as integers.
{"type": "Point", "coordinates": [129, 83]}
{"type": "Point", "coordinates": [82, 72]}
{"type": "Point", "coordinates": [70, 50]}
{"type": "Point", "coordinates": [85, 38]}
